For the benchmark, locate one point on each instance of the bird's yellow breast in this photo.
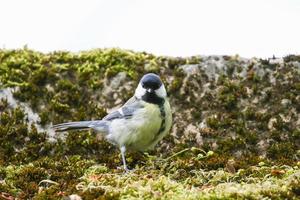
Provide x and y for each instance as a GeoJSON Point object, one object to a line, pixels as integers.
{"type": "Point", "coordinates": [142, 131]}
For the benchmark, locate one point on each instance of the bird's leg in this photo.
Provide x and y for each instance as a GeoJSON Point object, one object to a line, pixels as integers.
{"type": "Point", "coordinates": [123, 149]}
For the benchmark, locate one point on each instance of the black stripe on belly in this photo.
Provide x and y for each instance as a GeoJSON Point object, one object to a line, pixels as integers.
{"type": "Point", "coordinates": [163, 122]}
{"type": "Point", "coordinates": [163, 117]}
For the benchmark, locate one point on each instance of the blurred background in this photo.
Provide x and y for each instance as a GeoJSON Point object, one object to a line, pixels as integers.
{"type": "Point", "coordinates": [170, 27]}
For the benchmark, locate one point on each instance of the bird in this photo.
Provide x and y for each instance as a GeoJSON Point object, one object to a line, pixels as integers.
{"type": "Point", "coordinates": [139, 124]}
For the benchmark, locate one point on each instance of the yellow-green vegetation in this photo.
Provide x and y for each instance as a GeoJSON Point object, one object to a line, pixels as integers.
{"type": "Point", "coordinates": [236, 131]}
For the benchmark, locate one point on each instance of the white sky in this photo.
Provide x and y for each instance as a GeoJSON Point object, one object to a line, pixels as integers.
{"type": "Point", "coordinates": [249, 28]}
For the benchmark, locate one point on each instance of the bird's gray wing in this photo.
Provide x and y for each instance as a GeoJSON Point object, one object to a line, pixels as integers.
{"type": "Point", "coordinates": [131, 101]}
{"type": "Point", "coordinates": [126, 111]}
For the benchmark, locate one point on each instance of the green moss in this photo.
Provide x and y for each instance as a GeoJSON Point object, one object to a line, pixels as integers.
{"type": "Point", "coordinates": [175, 85]}
{"type": "Point", "coordinates": [238, 111]}
{"type": "Point", "coordinates": [282, 150]}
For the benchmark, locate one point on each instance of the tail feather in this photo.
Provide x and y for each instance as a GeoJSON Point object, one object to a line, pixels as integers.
{"type": "Point", "coordinates": [99, 125]}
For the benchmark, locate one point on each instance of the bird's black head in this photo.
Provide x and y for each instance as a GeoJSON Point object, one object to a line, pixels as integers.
{"type": "Point", "coordinates": [151, 89]}
{"type": "Point", "coordinates": [151, 82]}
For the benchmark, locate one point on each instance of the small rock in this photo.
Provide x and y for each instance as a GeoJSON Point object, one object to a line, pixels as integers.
{"type": "Point", "coordinates": [190, 129]}
{"type": "Point", "coordinates": [118, 80]}
{"type": "Point", "coordinates": [230, 166]}
{"type": "Point", "coordinates": [271, 123]}
{"type": "Point", "coordinates": [199, 139]}
{"type": "Point", "coordinates": [190, 69]}
{"type": "Point", "coordinates": [286, 102]}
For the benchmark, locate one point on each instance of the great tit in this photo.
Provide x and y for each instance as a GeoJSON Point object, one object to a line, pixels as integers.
{"type": "Point", "coordinates": [139, 124]}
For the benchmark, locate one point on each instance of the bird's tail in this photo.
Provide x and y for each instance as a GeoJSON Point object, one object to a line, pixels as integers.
{"type": "Point", "coordinates": [99, 125]}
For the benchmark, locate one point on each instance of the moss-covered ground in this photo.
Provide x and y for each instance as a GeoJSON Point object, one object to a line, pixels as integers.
{"type": "Point", "coordinates": [236, 131]}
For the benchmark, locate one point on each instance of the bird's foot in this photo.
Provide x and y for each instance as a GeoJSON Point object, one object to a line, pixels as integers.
{"type": "Point", "coordinates": [125, 169]}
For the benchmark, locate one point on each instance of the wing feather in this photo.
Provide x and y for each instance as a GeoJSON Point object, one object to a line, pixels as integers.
{"type": "Point", "coordinates": [126, 111]}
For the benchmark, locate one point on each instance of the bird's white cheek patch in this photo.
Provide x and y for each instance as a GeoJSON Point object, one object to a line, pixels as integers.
{"type": "Point", "coordinates": [140, 91]}
{"type": "Point", "coordinates": [161, 92]}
